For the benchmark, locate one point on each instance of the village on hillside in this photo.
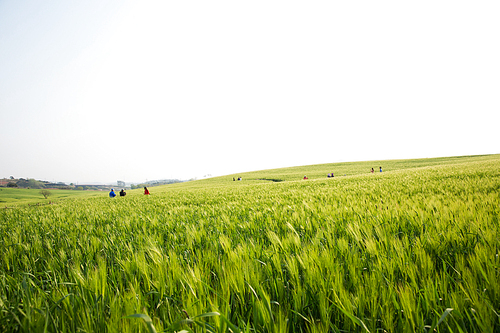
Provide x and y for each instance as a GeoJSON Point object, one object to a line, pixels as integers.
{"type": "Point", "coordinates": [41, 184]}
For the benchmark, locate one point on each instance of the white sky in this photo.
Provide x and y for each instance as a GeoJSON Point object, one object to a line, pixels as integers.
{"type": "Point", "coordinates": [99, 91]}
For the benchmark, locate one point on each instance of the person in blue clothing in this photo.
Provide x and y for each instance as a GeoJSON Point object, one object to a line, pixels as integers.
{"type": "Point", "coordinates": [112, 194]}
{"type": "Point", "coordinates": [380, 169]}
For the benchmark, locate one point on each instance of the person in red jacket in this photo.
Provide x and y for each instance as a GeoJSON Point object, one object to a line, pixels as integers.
{"type": "Point", "coordinates": [146, 192]}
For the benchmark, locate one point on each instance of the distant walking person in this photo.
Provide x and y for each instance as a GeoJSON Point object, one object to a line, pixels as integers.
{"type": "Point", "coordinates": [146, 192]}
{"type": "Point", "coordinates": [372, 171]}
{"type": "Point", "coordinates": [380, 169]}
{"type": "Point", "coordinates": [123, 193]}
{"type": "Point", "coordinates": [112, 194]}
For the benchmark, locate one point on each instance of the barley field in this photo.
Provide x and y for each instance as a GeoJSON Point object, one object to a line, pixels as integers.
{"type": "Point", "coordinates": [12, 197]}
{"type": "Point", "coordinates": [412, 249]}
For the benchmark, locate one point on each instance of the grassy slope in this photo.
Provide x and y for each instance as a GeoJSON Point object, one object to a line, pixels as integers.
{"type": "Point", "coordinates": [438, 223]}
{"type": "Point", "coordinates": [12, 197]}
{"type": "Point", "coordinates": [319, 171]}
{"type": "Point", "coordinates": [208, 245]}
{"type": "Point", "coordinates": [19, 196]}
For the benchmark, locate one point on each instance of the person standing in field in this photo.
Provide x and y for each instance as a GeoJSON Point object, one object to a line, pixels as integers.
{"type": "Point", "coordinates": [372, 171]}
{"type": "Point", "coordinates": [380, 169]}
{"type": "Point", "coordinates": [123, 193]}
{"type": "Point", "coordinates": [112, 194]}
{"type": "Point", "coordinates": [146, 192]}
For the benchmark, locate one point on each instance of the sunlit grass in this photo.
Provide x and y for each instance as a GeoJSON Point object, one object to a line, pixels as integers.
{"type": "Point", "coordinates": [411, 249]}
{"type": "Point", "coordinates": [11, 197]}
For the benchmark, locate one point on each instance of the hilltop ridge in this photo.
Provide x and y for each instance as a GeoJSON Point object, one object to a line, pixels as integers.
{"type": "Point", "coordinates": [342, 169]}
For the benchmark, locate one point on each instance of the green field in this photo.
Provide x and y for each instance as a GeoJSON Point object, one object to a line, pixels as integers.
{"type": "Point", "coordinates": [10, 197]}
{"type": "Point", "coordinates": [412, 249]}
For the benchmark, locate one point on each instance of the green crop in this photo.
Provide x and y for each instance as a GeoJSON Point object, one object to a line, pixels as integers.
{"type": "Point", "coordinates": [11, 197]}
{"type": "Point", "coordinates": [412, 249]}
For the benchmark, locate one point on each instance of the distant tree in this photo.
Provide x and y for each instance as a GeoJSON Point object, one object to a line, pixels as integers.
{"type": "Point", "coordinates": [120, 183]}
{"type": "Point", "coordinates": [45, 193]}
{"type": "Point", "coordinates": [11, 177]}
{"type": "Point", "coordinates": [22, 183]}
{"type": "Point", "coordinates": [34, 183]}
{"type": "Point", "coordinates": [11, 184]}
{"type": "Point", "coordinates": [79, 188]}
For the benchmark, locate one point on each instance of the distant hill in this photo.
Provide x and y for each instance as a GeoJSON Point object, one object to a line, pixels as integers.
{"type": "Point", "coordinates": [341, 169]}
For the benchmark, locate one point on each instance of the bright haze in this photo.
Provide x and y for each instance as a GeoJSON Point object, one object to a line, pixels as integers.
{"type": "Point", "coordinates": [100, 91]}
